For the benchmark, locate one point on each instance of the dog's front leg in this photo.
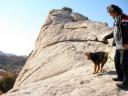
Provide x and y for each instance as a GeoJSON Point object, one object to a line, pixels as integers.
{"type": "Point", "coordinates": [95, 67]}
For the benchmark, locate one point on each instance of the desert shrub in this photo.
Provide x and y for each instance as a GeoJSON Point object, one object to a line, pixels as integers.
{"type": "Point", "coordinates": [7, 81]}
{"type": "Point", "coordinates": [67, 9]}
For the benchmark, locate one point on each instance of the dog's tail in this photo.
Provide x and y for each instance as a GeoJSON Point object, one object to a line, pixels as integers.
{"type": "Point", "coordinates": [106, 54]}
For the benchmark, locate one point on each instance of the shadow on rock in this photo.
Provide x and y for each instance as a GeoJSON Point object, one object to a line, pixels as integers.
{"type": "Point", "coordinates": [107, 73]}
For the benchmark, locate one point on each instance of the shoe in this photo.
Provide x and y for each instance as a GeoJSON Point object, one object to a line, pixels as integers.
{"type": "Point", "coordinates": [122, 86]}
{"type": "Point", "coordinates": [117, 79]}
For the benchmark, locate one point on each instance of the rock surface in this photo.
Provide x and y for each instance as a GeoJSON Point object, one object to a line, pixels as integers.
{"type": "Point", "coordinates": [57, 65]}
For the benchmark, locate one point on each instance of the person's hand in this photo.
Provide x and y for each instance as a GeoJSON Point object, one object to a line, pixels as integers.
{"type": "Point", "coordinates": [125, 46]}
{"type": "Point", "coordinates": [105, 41]}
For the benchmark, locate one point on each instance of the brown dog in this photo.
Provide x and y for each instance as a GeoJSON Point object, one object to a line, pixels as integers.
{"type": "Point", "coordinates": [98, 58]}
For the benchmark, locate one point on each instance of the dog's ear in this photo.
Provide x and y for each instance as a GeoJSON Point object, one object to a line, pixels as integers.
{"type": "Point", "coordinates": [87, 53]}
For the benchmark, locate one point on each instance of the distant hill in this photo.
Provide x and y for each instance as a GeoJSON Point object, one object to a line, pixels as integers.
{"type": "Point", "coordinates": [2, 53]}
{"type": "Point", "coordinates": [11, 62]}
{"type": "Point", "coordinates": [7, 54]}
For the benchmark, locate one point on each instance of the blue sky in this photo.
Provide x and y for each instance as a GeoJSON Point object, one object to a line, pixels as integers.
{"type": "Point", "coordinates": [21, 20]}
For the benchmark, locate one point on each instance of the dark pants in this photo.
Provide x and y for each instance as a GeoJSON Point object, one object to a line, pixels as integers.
{"type": "Point", "coordinates": [121, 64]}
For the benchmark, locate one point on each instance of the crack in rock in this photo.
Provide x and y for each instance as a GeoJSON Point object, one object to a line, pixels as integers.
{"type": "Point", "coordinates": [75, 40]}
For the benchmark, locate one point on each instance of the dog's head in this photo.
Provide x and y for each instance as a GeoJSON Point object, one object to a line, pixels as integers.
{"type": "Point", "coordinates": [88, 55]}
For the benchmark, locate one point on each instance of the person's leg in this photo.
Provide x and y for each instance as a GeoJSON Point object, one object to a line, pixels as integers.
{"type": "Point", "coordinates": [124, 66]}
{"type": "Point", "coordinates": [118, 68]}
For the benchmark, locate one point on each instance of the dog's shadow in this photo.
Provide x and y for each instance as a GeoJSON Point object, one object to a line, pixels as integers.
{"type": "Point", "coordinates": [107, 73]}
{"type": "Point", "coordinates": [111, 72]}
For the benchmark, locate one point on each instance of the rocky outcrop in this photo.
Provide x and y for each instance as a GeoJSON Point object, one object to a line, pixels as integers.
{"type": "Point", "coordinates": [57, 65]}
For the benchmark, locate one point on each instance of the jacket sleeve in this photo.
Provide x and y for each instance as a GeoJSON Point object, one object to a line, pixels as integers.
{"type": "Point", "coordinates": [124, 29]}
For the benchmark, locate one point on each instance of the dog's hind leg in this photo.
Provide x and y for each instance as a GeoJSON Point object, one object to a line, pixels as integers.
{"type": "Point", "coordinates": [101, 67]}
{"type": "Point", "coordinates": [103, 63]}
{"type": "Point", "coordinates": [98, 69]}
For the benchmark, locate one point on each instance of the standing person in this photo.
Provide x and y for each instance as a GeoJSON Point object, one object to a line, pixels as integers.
{"type": "Point", "coordinates": [120, 39]}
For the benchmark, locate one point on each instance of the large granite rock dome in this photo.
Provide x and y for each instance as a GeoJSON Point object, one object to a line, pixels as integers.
{"type": "Point", "coordinates": [57, 65]}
